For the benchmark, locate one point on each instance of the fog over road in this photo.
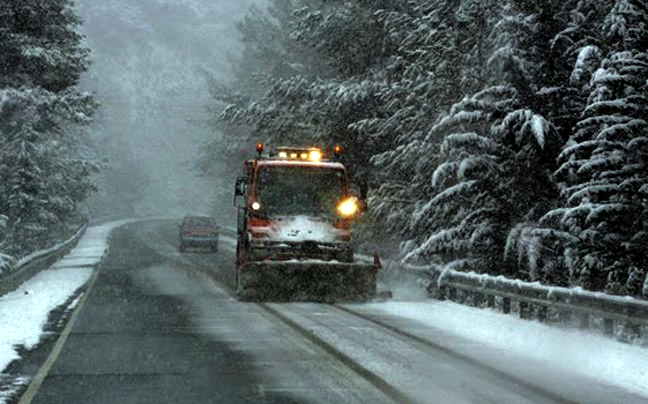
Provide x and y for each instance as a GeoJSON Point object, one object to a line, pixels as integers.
{"type": "Point", "coordinates": [150, 67]}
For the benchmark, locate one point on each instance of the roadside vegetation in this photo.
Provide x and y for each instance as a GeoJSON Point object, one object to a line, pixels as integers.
{"type": "Point", "coordinates": [496, 136]}
{"type": "Point", "coordinates": [44, 174]}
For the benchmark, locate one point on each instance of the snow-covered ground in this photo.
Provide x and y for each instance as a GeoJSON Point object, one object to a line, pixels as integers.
{"type": "Point", "coordinates": [505, 341]}
{"type": "Point", "coordinates": [24, 312]}
{"type": "Point", "coordinates": [481, 334]}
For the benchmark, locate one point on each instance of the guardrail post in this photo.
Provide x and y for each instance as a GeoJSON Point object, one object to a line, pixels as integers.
{"type": "Point", "coordinates": [460, 296]}
{"type": "Point", "coordinates": [631, 331]}
{"type": "Point", "coordinates": [442, 293]}
{"type": "Point", "coordinates": [452, 294]}
{"type": "Point", "coordinates": [608, 327]}
{"type": "Point", "coordinates": [478, 299]}
{"type": "Point", "coordinates": [524, 310]}
{"type": "Point", "coordinates": [506, 305]}
{"type": "Point", "coordinates": [469, 297]}
{"type": "Point", "coordinates": [636, 330]}
{"type": "Point", "coordinates": [490, 301]}
{"type": "Point", "coordinates": [542, 314]}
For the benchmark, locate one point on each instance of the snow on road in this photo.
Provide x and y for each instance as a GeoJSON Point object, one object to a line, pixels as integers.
{"type": "Point", "coordinates": [24, 312]}
{"type": "Point", "coordinates": [528, 348]}
{"type": "Point", "coordinates": [485, 335]}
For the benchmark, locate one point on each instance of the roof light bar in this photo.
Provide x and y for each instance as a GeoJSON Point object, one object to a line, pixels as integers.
{"type": "Point", "coordinates": [304, 154]}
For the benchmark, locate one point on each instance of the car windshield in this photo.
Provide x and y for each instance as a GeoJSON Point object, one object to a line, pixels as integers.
{"type": "Point", "coordinates": [299, 190]}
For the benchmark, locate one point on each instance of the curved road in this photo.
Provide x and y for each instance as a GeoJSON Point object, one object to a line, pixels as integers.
{"type": "Point", "coordinates": [157, 326]}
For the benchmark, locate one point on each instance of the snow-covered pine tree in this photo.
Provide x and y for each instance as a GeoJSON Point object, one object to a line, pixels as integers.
{"type": "Point", "coordinates": [604, 166]}
{"type": "Point", "coordinates": [41, 176]}
{"type": "Point", "coordinates": [39, 45]}
{"type": "Point", "coordinates": [437, 57]}
{"type": "Point", "coordinates": [42, 180]}
{"type": "Point", "coordinates": [488, 176]}
{"type": "Point", "coordinates": [565, 70]}
{"type": "Point", "coordinates": [512, 47]}
{"type": "Point", "coordinates": [528, 57]}
{"type": "Point", "coordinates": [267, 52]}
{"type": "Point", "coordinates": [22, 185]}
{"type": "Point", "coordinates": [344, 34]}
{"type": "Point", "coordinates": [575, 56]}
{"type": "Point", "coordinates": [333, 87]}
{"type": "Point", "coordinates": [269, 55]}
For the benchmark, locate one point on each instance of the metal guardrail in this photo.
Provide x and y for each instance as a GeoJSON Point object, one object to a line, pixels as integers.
{"type": "Point", "coordinates": [28, 266]}
{"type": "Point", "coordinates": [623, 318]}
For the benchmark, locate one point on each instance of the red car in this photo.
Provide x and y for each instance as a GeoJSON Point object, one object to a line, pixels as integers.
{"type": "Point", "coordinates": [198, 231]}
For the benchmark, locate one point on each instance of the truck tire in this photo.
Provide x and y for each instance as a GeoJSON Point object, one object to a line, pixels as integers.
{"type": "Point", "coordinates": [240, 261]}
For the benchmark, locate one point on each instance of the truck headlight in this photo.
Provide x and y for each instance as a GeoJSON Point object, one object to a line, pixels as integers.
{"type": "Point", "coordinates": [348, 207]}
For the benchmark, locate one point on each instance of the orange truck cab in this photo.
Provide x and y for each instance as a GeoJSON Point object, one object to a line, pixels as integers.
{"type": "Point", "coordinates": [294, 203]}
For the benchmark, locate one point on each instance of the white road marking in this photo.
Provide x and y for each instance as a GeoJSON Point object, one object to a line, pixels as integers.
{"type": "Point", "coordinates": [36, 383]}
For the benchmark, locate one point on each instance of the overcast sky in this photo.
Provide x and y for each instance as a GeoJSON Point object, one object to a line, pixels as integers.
{"type": "Point", "coordinates": [150, 63]}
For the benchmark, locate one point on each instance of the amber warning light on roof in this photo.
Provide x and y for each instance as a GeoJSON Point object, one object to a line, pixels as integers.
{"type": "Point", "coordinates": [309, 154]}
{"type": "Point", "coordinates": [259, 148]}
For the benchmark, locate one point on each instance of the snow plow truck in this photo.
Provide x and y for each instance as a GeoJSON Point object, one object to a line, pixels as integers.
{"type": "Point", "coordinates": [294, 230]}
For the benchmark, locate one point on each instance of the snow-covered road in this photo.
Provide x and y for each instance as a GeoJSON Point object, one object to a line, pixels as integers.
{"type": "Point", "coordinates": [24, 312]}
{"type": "Point", "coordinates": [530, 350]}
{"type": "Point", "coordinates": [575, 364]}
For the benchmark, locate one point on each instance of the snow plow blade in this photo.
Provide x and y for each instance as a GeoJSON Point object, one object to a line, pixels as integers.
{"type": "Point", "coordinates": [307, 281]}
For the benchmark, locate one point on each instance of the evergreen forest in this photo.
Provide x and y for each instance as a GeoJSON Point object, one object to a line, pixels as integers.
{"type": "Point", "coordinates": [496, 136]}
{"type": "Point", "coordinates": [45, 174]}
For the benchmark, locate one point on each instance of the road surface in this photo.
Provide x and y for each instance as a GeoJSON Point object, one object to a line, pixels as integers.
{"type": "Point", "coordinates": [158, 326]}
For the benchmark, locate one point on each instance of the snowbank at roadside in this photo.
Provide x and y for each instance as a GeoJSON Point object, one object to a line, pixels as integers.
{"type": "Point", "coordinates": [492, 336]}
{"type": "Point", "coordinates": [24, 312]}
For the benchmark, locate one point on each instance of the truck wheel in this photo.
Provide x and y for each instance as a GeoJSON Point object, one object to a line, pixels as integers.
{"type": "Point", "coordinates": [240, 261]}
{"type": "Point", "coordinates": [240, 254]}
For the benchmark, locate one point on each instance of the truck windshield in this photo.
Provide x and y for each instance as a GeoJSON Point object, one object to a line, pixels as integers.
{"type": "Point", "coordinates": [299, 190]}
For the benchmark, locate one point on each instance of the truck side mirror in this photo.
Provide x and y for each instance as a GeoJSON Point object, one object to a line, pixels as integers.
{"type": "Point", "coordinates": [239, 188]}
{"type": "Point", "coordinates": [239, 191]}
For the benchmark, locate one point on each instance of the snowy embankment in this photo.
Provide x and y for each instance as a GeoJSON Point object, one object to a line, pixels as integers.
{"type": "Point", "coordinates": [525, 347]}
{"type": "Point", "coordinates": [24, 312]}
